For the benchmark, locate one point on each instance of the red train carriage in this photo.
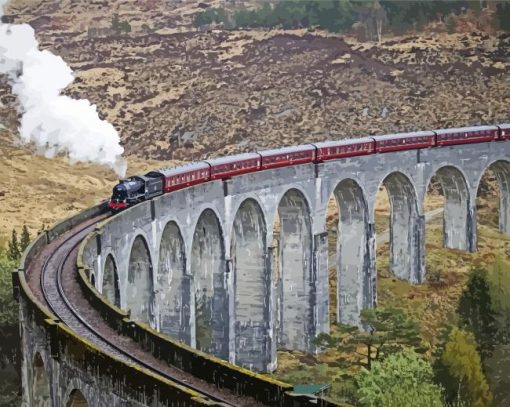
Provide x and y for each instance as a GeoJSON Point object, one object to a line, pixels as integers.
{"type": "Point", "coordinates": [404, 141]}
{"type": "Point", "coordinates": [139, 188]}
{"type": "Point", "coordinates": [226, 167]}
{"type": "Point", "coordinates": [330, 150]}
{"type": "Point", "coordinates": [185, 176]}
{"type": "Point", "coordinates": [466, 135]}
{"type": "Point", "coordinates": [287, 156]}
{"type": "Point", "coordinates": [504, 131]}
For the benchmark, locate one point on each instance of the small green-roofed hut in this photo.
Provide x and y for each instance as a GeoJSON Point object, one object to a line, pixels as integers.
{"type": "Point", "coordinates": [311, 389]}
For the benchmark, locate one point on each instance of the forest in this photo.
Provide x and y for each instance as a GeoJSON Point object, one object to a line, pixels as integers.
{"type": "Point", "coordinates": [370, 18]}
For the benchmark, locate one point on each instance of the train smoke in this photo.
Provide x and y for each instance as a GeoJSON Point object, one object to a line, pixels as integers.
{"type": "Point", "coordinates": [53, 122]}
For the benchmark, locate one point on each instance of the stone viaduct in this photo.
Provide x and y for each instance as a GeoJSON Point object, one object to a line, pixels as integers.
{"type": "Point", "coordinates": [239, 268]}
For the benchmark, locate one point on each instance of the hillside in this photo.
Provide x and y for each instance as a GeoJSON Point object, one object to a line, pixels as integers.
{"type": "Point", "coordinates": [174, 92]}
{"type": "Point", "coordinates": [177, 93]}
{"type": "Point", "coordinates": [38, 190]}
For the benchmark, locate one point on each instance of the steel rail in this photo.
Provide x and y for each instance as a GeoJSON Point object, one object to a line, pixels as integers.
{"type": "Point", "coordinates": [100, 340]}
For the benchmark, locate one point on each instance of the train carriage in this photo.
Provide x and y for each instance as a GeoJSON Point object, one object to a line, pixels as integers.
{"type": "Point", "coordinates": [466, 135]}
{"type": "Point", "coordinates": [185, 176]}
{"type": "Point", "coordinates": [330, 150]}
{"type": "Point", "coordinates": [139, 188]}
{"type": "Point", "coordinates": [288, 156]}
{"type": "Point", "coordinates": [226, 167]}
{"type": "Point", "coordinates": [504, 131]}
{"type": "Point", "coordinates": [404, 141]}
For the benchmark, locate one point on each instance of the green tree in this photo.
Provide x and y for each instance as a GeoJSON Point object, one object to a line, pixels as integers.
{"type": "Point", "coordinates": [497, 369]}
{"type": "Point", "coordinates": [402, 379]}
{"type": "Point", "coordinates": [332, 15]}
{"type": "Point", "coordinates": [211, 15]}
{"type": "Point", "coordinates": [8, 307]}
{"type": "Point", "coordinates": [14, 249]}
{"type": "Point", "coordinates": [503, 15]}
{"type": "Point", "coordinates": [115, 22]}
{"type": "Point", "coordinates": [463, 361]}
{"type": "Point", "coordinates": [499, 283]}
{"type": "Point", "coordinates": [388, 330]}
{"type": "Point", "coordinates": [404, 15]}
{"type": "Point", "coordinates": [25, 238]}
{"type": "Point", "coordinates": [118, 26]}
{"type": "Point", "coordinates": [10, 352]}
{"type": "Point", "coordinates": [476, 311]}
{"type": "Point", "coordinates": [442, 374]}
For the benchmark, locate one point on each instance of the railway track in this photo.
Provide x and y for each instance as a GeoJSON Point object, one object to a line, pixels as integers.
{"type": "Point", "coordinates": [61, 291]}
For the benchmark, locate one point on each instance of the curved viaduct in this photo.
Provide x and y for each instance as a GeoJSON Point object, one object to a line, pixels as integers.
{"type": "Point", "coordinates": [239, 268]}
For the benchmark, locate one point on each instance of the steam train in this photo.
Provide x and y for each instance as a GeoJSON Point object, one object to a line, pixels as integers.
{"type": "Point", "coordinates": [143, 187]}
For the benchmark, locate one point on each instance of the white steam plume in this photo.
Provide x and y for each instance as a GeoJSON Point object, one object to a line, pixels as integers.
{"type": "Point", "coordinates": [53, 122]}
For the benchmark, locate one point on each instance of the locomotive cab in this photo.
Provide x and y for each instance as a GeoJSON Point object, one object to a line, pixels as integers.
{"type": "Point", "coordinates": [126, 192]}
{"type": "Point", "coordinates": [135, 189]}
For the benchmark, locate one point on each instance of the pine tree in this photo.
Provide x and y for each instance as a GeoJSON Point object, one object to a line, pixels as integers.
{"type": "Point", "coordinates": [442, 373]}
{"type": "Point", "coordinates": [388, 331]}
{"type": "Point", "coordinates": [464, 364]}
{"type": "Point", "coordinates": [477, 313]}
{"type": "Point", "coordinates": [13, 252]}
{"type": "Point", "coordinates": [25, 238]}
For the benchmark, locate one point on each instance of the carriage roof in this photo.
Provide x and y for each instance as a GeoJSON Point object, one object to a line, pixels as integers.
{"type": "Point", "coordinates": [465, 129]}
{"type": "Point", "coordinates": [233, 159]}
{"type": "Point", "coordinates": [287, 150]}
{"type": "Point", "coordinates": [344, 142]}
{"type": "Point", "coordinates": [399, 136]}
{"type": "Point", "coordinates": [183, 169]}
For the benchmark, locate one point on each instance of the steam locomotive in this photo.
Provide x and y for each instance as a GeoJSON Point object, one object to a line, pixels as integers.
{"type": "Point", "coordinates": [143, 187]}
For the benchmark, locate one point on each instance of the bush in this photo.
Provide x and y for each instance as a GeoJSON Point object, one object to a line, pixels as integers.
{"type": "Point", "coordinates": [402, 379]}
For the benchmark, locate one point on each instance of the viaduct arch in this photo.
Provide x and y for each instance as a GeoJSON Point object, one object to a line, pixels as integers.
{"type": "Point", "coordinates": [226, 281]}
